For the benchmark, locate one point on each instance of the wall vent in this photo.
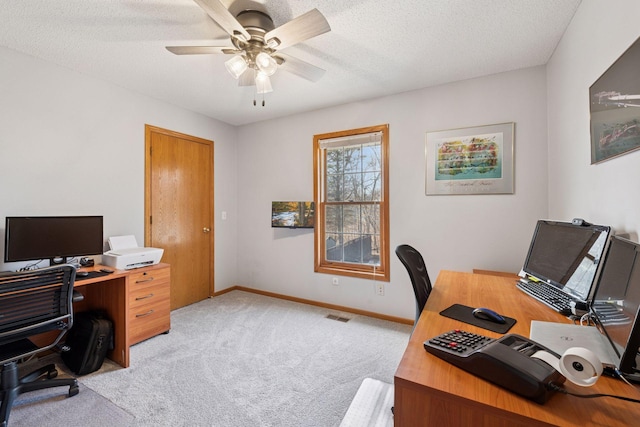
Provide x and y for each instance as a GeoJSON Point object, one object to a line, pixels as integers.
{"type": "Point", "coordinates": [338, 318]}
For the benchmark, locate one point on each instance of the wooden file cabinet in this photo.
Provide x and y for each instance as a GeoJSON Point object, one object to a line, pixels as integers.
{"type": "Point", "coordinates": [137, 301]}
{"type": "Point", "coordinates": [149, 303]}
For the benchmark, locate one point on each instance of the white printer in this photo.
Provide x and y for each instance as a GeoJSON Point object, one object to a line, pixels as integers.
{"type": "Point", "coordinates": [125, 254]}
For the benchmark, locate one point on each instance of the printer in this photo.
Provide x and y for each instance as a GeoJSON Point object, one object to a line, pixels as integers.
{"type": "Point", "coordinates": [125, 254]}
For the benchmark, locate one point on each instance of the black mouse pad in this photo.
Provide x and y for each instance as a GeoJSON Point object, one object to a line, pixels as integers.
{"type": "Point", "coordinates": [465, 314]}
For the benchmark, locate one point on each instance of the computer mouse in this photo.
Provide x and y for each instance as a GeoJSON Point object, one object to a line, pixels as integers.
{"type": "Point", "coordinates": [82, 273]}
{"type": "Point", "coordinates": [487, 314]}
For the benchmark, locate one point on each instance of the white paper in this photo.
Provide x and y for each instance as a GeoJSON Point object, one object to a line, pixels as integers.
{"type": "Point", "coordinates": [118, 243]}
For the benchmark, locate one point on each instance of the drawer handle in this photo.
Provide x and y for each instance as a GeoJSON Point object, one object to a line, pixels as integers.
{"type": "Point", "coordinates": [145, 280]}
{"type": "Point", "coordinates": [145, 314]}
{"type": "Point", "coordinates": [144, 297]}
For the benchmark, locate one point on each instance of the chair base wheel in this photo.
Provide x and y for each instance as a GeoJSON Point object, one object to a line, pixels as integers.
{"type": "Point", "coordinates": [73, 390]}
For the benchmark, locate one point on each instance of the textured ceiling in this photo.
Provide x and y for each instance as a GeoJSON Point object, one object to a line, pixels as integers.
{"type": "Point", "coordinates": [375, 47]}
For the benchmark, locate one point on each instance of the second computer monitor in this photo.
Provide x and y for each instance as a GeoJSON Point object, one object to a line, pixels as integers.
{"type": "Point", "coordinates": [617, 299]}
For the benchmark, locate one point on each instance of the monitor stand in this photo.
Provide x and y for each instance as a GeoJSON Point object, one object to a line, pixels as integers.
{"type": "Point", "coordinates": [58, 260]}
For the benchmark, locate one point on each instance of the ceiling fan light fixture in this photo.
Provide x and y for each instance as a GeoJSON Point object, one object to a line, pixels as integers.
{"type": "Point", "coordinates": [236, 66]}
{"type": "Point", "coordinates": [263, 83]}
{"type": "Point", "coordinates": [266, 64]}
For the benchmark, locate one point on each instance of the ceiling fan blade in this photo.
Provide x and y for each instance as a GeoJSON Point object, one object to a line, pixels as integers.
{"type": "Point", "coordinates": [304, 27]}
{"type": "Point", "coordinates": [248, 78]}
{"type": "Point", "coordinates": [300, 67]}
{"type": "Point", "coordinates": [221, 15]}
{"type": "Point", "coordinates": [200, 50]}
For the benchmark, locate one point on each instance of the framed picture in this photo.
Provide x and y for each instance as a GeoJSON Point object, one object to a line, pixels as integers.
{"type": "Point", "coordinates": [475, 160]}
{"type": "Point", "coordinates": [615, 108]}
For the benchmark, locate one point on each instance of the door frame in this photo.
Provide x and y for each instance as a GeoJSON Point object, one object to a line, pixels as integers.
{"type": "Point", "coordinates": [148, 130]}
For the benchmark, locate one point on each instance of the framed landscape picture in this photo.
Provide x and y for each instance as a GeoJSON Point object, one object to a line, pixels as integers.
{"type": "Point", "coordinates": [474, 160]}
{"type": "Point", "coordinates": [615, 108]}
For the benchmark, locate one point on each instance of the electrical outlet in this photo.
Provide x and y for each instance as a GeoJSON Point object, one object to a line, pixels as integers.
{"type": "Point", "coordinates": [380, 289]}
{"type": "Point", "coordinates": [335, 281]}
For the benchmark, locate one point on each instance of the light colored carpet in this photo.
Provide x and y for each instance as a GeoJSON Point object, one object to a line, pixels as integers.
{"type": "Point", "coordinates": [243, 359]}
{"type": "Point", "coordinates": [371, 407]}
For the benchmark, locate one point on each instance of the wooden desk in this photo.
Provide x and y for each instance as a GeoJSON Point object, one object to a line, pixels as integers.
{"type": "Point", "coordinates": [430, 391]}
{"type": "Point", "coordinates": [137, 301]}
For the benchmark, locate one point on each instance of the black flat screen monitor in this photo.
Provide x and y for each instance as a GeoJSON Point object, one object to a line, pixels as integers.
{"type": "Point", "coordinates": [56, 238]}
{"type": "Point", "coordinates": [566, 256]}
{"type": "Point", "coordinates": [292, 214]}
{"type": "Point", "coordinates": [616, 301]}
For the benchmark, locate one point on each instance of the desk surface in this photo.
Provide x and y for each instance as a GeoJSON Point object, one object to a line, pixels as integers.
{"type": "Point", "coordinates": [430, 391]}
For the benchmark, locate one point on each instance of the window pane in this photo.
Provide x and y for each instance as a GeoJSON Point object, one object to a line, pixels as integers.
{"type": "Point", "coordinates": [373, 256]}
{"type": "Point", "coordinates": [371, 186]}
{"type": "Point", "coordinates": [351, 219]}
{"type": "Point", "coordinates": [335, 160]}
{"type": "Point", "coordinates": [333, 219]}
{"type": "Point", "coordinates": [353, 247]}
{"type": "Point", "coordinates": [371, 158]}
{"type": "Point", "coordinates": [334, 188]}
{"type": "Point", "coordinates": [335, 171]}
{"type": "Point", "coordinates": [352, 187]}
{"type": "Point", "coordinates": [352, 159]}
{"type": "Point", "coordinates": [334, 247]}
{"type": "Point", "coordinates": [371, 219]}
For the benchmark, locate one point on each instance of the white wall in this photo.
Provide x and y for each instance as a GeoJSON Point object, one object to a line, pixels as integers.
{"type": "Point", "coordinates": [605, 193]}
{"type": "Point", "coordinates": [74, 145]}
{"type": "Point", "coordinates": [452, 232]}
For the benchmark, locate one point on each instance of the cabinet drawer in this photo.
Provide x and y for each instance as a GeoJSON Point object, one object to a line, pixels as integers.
{"type": "Point", "coordinates": [148, 277]}
{"type": "Point", "coordinates": [149, 320]}
{"type": "Point", "coordinates": [149, 294]}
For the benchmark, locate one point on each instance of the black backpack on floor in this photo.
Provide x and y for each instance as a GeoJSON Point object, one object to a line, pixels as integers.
{"type": "Point", "coordinates": [88, 342]}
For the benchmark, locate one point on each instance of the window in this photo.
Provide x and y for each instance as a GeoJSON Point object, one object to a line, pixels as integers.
{"type": "Point", "coordinates": [351, 192]}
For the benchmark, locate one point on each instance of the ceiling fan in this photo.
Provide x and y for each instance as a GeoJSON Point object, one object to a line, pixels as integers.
{"type": "Point", "coordinates": [256, 44]}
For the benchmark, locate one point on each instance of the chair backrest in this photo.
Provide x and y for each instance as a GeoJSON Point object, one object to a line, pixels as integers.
{"type": "Point", "coordinates": [36, 301]}
{"type": "Point", "coordinates": [417, 270]}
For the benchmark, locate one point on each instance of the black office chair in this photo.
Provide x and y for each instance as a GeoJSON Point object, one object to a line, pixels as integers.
{"type": "Point", "coordinates": [417, 270]}
{"type": "Point", "coordinates": [32, 302]}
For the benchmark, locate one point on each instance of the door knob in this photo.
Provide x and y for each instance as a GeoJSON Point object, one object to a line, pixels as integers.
{"type": "Point", "coordinates": [206, 230]}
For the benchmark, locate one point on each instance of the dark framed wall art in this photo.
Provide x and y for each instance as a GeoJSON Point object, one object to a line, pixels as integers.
{"type": "Point", "coordinates": [615, 108]}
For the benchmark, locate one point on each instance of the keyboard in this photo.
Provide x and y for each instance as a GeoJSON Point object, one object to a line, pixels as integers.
{"type": "Point", "coordinates": [458, 342]}
{"type": "Point", "coordinates": [554, 298]}
{"type": "Point", "coordinates": [610, 314]}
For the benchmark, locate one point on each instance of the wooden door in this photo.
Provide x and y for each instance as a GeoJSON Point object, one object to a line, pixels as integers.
{"type": "Point", "coordinates": [179, 210]}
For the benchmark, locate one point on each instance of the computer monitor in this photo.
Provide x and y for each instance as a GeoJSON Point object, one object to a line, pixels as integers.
{"type": "Point", "coordinates": [57, 238]}
{"type": "Point", "coordinates": [566, 255]}
{"type": "Point", "coordinates": [617, 299]}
